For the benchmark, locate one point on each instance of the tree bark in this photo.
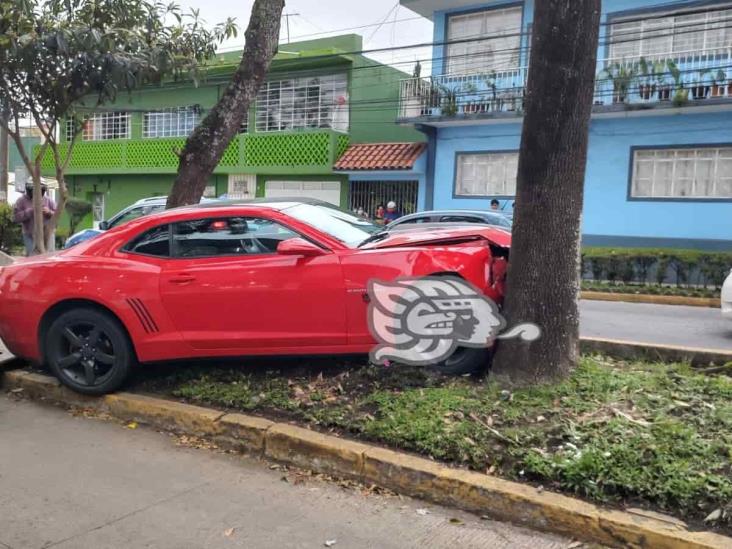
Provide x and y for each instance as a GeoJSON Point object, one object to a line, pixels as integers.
{"type": "Point", "coordinates": [544, 272]}
{"type": "Point", "coordinates": [205, 146]}
{"type": "Point", "coordinates": [4, 192]}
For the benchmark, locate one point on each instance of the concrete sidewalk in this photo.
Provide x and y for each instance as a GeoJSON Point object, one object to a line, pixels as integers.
{"type": "Point", "coordinates": [74, 482]}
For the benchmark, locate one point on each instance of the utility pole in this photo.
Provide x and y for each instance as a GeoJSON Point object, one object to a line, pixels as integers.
{"type": "Point", "coordinates": [287, 23]}
{"type": "Point", "coordinates": [3, 155]}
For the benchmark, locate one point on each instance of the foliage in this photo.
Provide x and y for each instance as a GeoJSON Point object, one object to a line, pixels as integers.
{"type": "Point", "coordinates": [10, 231]}
{"type": "Point", "coordinates": [657, 265]}
{"type": "Point", "coordinates": [654, 434]}
{"type": "Point", "coordinates": [77, 209]}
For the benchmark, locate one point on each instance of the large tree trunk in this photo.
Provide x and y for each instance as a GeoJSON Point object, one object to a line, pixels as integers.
{"type": "Point", "coordinates": [543, 272]}
{"type": "Point", "coordinates": [4, 191]}
{"type": "Point", "coordinates": [209, 140]}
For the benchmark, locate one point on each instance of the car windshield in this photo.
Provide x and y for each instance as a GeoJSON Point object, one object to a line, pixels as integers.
{"type": "Point", "coordinates": [340, 224]}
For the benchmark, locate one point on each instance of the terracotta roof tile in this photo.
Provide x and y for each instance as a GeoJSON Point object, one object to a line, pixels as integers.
{"type": "Point", "coordinates": [380, 156]}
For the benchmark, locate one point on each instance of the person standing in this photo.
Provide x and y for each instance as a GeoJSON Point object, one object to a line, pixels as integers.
{"type": "Point", "coordinates": [379, 215]}
{"type": "Point", "coordinates": [495, 205]}
{"type": "Point", "coordinates": [23, 214]}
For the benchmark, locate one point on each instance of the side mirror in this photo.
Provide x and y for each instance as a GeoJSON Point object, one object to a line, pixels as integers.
{"type": "Point", "coordinates": [299, 246]}
{"type": "Point", "coordinates": [103, 225]}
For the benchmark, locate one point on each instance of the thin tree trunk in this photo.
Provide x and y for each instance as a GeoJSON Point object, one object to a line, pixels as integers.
{"type": "Point", "coordinates": [543, 272]}
{"type": "Point", "coordinates": [207, 143]}
{"type": "Point", "coordinates": [4, 192]}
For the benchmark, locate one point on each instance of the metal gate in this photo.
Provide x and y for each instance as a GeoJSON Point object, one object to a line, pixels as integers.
{"type": "Point", "coordinates": [369, 194]}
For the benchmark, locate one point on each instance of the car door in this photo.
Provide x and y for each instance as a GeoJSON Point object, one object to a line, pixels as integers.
{"type": "Point", "coordinates": [226, 287]}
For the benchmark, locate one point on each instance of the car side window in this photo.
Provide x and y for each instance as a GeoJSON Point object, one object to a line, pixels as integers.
{"type": "Point", "coordinates": [228, 236]}
{"type": "Point", "coordinates": [415, 220]}
{"type": "Point", "coordinates": [155, 242]}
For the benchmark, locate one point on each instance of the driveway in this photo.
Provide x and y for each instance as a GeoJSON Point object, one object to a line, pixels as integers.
{"type": "Point", "coordinates": [76, 482]}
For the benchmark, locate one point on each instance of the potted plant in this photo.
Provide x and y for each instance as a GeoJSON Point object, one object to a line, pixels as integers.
{"type": "Point", "coordinates": [448, 103]}
{"type": "Point", "coordinates": [622, 75]}
{"type": "Point", "coordinates": [718, 84]}
{"type": "Point", "coordinates": [646, 79]}
{"type": "Point", "coordinates": [681, 95]}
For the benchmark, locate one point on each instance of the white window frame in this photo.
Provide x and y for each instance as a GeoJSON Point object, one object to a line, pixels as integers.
{"type": "Point", "coordinates": [293, 103]}
{"type": "Point", "coordinates": [170, 122]}
{"type": "Point", "coordinates": [651, 167]}
{"type": "Point", "coordinates": [485, 174]}
{"type": "Point", "coordinates": [469, 56]}
{"type": "Point", "coordinates": [668, 35]}
{"type": "Point", "coordinates": [101, 126]}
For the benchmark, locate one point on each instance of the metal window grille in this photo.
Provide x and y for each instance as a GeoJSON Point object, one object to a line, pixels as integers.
{"type": "Point", "coordinates": [370, 194]}
{"type": "Point", "coordinates": [500, 51]}
{"type": "Point", "coordinates": [704, 172]}
{"type": "Point", "coordinates": [244, 127]}
{"type": "Point", "coordinates": [672, 35]}
{"type": "Point", "coordinates": [486, 174]}
{"type": "Point", "coordinates": [307, 102]}
{"type": "Point", "coordinates": [173, 122]}
{"type": "Point", "coordinates": [102, 126]}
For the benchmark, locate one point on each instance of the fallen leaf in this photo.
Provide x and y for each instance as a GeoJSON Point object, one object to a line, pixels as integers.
{"type": "Point", "coordinates": [491, 470]}
{"type": "Point", "coordinates": [423, 512]}
{"type": "Point", "coordinates": [575, 544]}
{"type": "Point", "coordinates": [539, 419]}
{"type": "Point", "coordinates": [17, 390]}
{"type": "Point", "coordinates": [485, 517]}
{"type": "Point", "coordinates": [456, 521]}
{"type": "Point", "coordinates": [229, 532]}
{"type": "Point", "coordinates": [131, 425]}
{"type": "Point", "coordinates": [330, 543]}
{"type": "Point", "coordinates": [713, 516]}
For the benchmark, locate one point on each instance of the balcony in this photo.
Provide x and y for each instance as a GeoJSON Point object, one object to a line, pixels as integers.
{"type": "Point", "coordinates": [306, 152]}
{"type": "Point", "coordinates": [693, 78]}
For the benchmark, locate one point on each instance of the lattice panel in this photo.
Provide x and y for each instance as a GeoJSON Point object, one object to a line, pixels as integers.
{"type": "Point", "coordinates": [341, 146]}
{"type": "Point", "coordinates": [88, 156]}
{"type": "Point", "coordinates": [231, 154]}
{"type": "Point", "coordinates": [276, 149]}
{"type": "Point", "coordinates": [154, 153]}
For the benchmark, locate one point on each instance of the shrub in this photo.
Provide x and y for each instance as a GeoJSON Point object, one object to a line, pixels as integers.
{"type": "Point", "coordinates": [11, 237]}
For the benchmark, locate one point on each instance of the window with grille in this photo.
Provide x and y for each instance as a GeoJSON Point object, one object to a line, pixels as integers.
{"type": "Point", "coordinates": [102, 126]}
{"type": "Point", "coordinates": [308, 102]}
{"type": "Point", "coordinates": [173, 122]}
{"type": "Point", "coordinates": [672, 35]}
{"type": "Point", "coordinates": [486, 174]}
{"type": "Point", "coordinates": [689, 173]}
{"type": "Point", "coordinates": [500, 50]}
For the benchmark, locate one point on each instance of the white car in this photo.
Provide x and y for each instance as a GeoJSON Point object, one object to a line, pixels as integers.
{"type": "Point", "coordinates": [727, 297]}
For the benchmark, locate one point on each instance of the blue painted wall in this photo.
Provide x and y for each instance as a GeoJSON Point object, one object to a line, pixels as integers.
{"type": "Point", "coordinates": [607, 208]}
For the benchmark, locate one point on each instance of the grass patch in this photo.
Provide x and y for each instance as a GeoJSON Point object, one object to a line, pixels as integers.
{"type": "Point", "coordinates": [645, 434]}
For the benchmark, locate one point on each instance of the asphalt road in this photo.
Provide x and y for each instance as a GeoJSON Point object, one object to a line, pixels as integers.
{"type": "Point", "coordinates": [698, 327]}
{"type": "Point", "coordinates": [77, 482]}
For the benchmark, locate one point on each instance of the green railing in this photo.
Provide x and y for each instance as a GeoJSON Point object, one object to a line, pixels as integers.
{"type": "Point", "coordinates": [307, 152]}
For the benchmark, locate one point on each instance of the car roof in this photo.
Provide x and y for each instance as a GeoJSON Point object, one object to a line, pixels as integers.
{"type": "Point", "coordinates": [277, 203]}
{"type": "Point", "coordinates": [455, 212]}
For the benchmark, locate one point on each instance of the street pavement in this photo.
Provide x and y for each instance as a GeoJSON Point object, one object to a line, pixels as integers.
{"type": "Point", "coordinates": [698, 327]}
{"type": "Point", "coordinates": [71, 482]}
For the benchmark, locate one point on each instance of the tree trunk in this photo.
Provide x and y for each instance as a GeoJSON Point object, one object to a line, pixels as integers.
{"type": "Point", "coordinates": [4, 192]}
{"type": "Point", "coordinates": [207, 143]}
{"type": "Point", "coordinates": [544, 273]}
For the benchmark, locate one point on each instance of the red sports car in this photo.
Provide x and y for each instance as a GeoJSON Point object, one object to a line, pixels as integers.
{"type": "Point", "coordinates": [273, 277]}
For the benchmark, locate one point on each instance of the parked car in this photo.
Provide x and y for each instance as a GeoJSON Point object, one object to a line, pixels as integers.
{"type": "Point", "coordinates": [453, 217]}
{"type": "Point", "coordinates": [142, 207]}
{"type": "Point", "coordinates": [727, 297]}
{"type": "Point", "coordinates": [267, 277]}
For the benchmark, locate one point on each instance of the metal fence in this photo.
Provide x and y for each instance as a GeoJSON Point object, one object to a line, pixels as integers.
{"type": "Point", "coordinates": [370, 194]}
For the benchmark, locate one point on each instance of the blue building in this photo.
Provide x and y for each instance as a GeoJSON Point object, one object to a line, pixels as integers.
{"type": "Point", "coordinates": [659, 169]}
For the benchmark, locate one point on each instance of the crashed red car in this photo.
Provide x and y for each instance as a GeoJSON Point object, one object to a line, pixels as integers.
{"type": "Point", "coordinates": [285, 277]}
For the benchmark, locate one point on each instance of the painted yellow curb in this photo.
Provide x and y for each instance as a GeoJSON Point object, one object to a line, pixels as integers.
{"type": "Point", "coordinates": [404, 473]}
{"type": "Point", "coordinates": [631, 350]}
{"type": "Point", "coordinates": [653, 299]}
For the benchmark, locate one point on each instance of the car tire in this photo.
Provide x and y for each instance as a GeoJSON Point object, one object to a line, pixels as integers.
{"type": "Point", "coordinates": [89, 351]}
{"type": "Point", "coordinates": [465, 361]}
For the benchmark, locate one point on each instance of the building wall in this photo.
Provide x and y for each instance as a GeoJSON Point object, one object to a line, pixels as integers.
{"type": "Point", "coordinates": [608, 212]}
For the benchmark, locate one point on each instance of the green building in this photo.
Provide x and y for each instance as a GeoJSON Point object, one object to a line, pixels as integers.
{"type": "Point", "coordinates": [320, 97]}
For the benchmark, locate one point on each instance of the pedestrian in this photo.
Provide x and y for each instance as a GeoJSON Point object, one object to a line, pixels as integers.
{"type": "Point", "coordinates": [379, 215]}
{"type": "Point", "coordinates": [495, 205]}
{"type": "Point", "coordinates": [23, 214]}
{"type": "Point", "coordinates": [391, 212]}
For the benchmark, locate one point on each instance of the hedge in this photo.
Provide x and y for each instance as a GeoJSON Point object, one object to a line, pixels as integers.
{"type": "Point", "coordinates": [656, 266]}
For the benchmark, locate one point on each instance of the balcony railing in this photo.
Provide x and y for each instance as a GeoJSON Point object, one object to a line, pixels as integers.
{"type": "Point", "coordinates": [306, 152]}
{"type": "Point", "coordinates": [677, 78]}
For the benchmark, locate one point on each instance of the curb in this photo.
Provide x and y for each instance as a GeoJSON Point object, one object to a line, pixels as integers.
{"type": "Point", "coordinates": [713, 302]}
{"type": "Point", "coordinates": [501, 499]}
{"type": "Point", "coordinates": [634, 350]}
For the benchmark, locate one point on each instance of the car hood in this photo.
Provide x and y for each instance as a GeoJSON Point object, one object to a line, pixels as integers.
{"type": "Point", "coordinates": [443, 237]}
